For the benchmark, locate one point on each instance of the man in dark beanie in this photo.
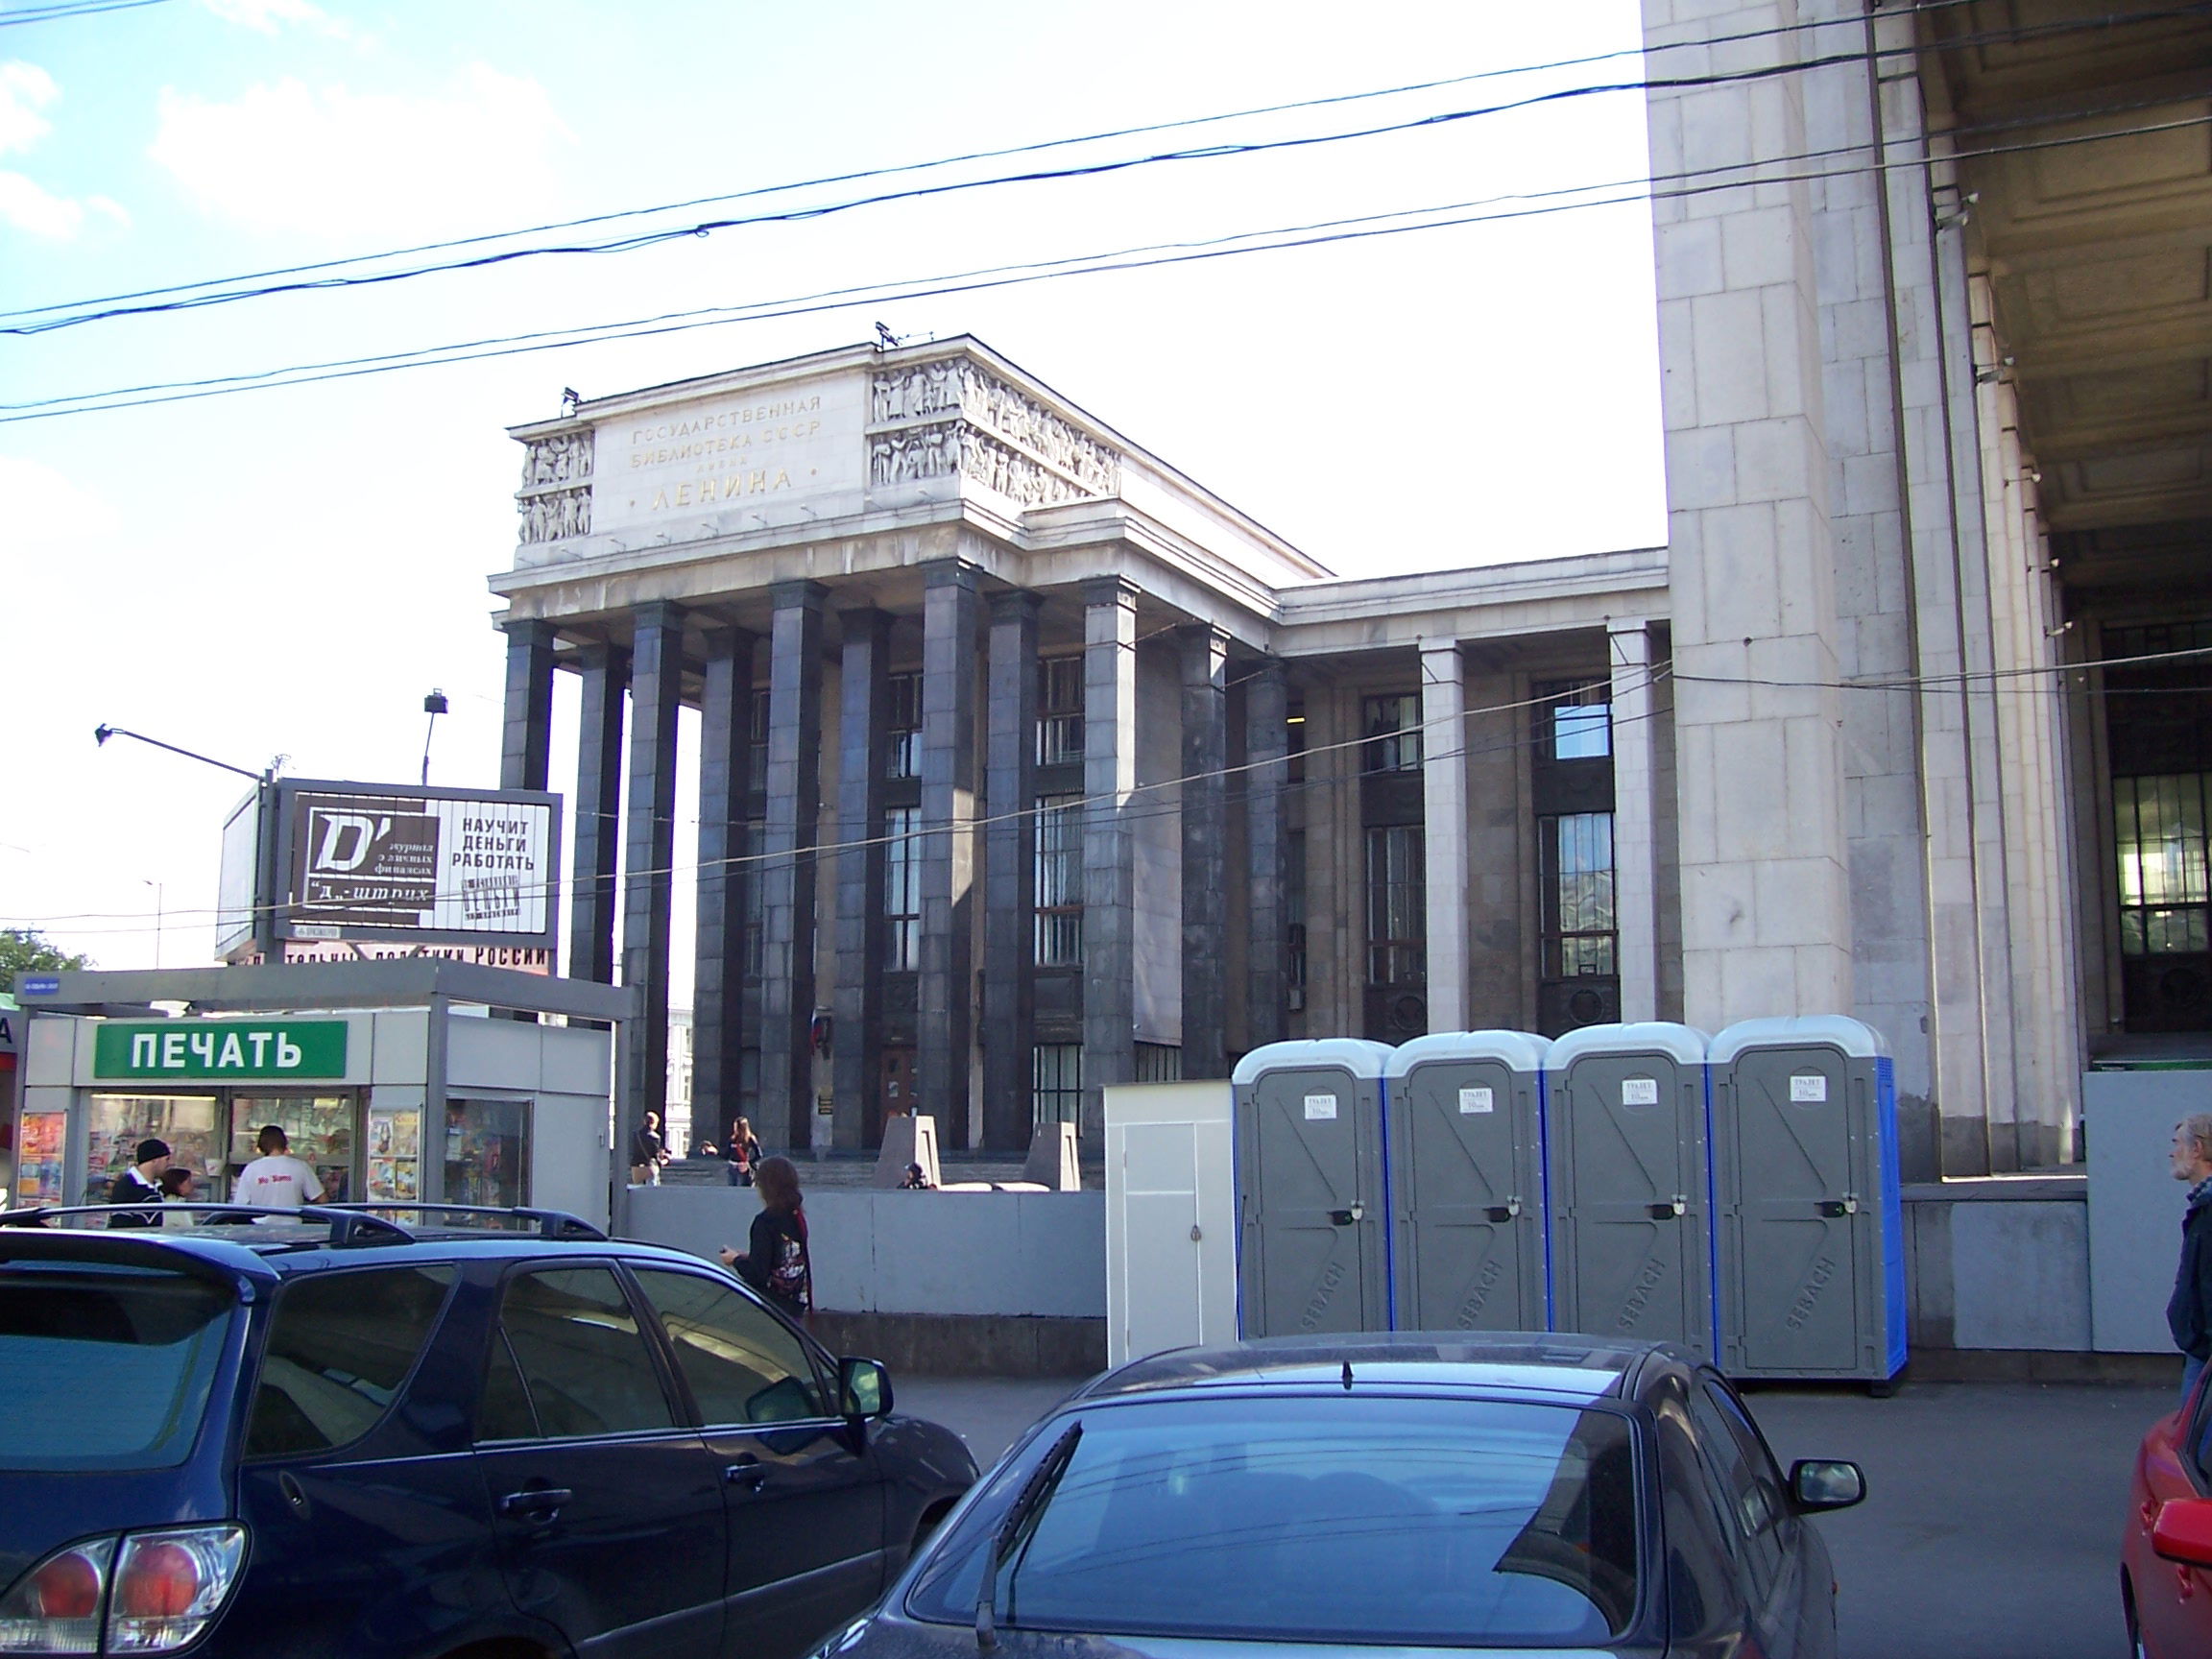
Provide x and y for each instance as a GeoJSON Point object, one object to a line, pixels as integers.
{"type": "Point", "coordinates": [140, 1184]}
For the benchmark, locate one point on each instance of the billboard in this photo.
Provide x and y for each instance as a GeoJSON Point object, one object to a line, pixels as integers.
{"type": "Point", "coordinates": [371, 861]}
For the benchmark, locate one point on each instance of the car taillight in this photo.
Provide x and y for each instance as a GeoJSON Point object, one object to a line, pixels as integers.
{"type": "Point", "coordinates": [170, 1585]}
{"type": "Point", "coordinates": [55, 1607]}
{"type": "Point", "coordinates": [143, 1593]}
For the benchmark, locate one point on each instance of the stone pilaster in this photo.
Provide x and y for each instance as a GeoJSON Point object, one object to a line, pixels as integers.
{"type": "Point", "coordinates": [718, 978]}
{"type": "Point", "coordinates": [786, 869]}
{"type": "Point", "coordinates": [945, 985]}
{"type": "Point", "coordinates": [1635, 850]}
{"type": "Point", "coordinates": [649, 848]}
{"type": "Point", "coordinates": [1266, 776]}
{"type": "Point", "coordinates": [1205, 826]}
{"type": "Point", "coordinates": [1444, 829]}
{"type": "Point", "coordinates": [598, 816]}
{"type": "Point", "coordinates": [863, 711]}
{"type": "Point", "coordinates": [1109, 880]}
{"type": "Point", "coordinates": [526, 742]}
{"type": "Point", "coordinates": [1010, 873]}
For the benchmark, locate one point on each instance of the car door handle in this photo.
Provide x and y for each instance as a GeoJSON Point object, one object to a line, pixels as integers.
{"type": "Point", "coordinates": [749, 1472]}
{"type": "Point", "coordinates": [541, 1502]}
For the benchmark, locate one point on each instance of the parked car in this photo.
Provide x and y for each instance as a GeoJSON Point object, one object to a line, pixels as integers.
{"type": "Point", "coordinates": [2166, 1550]}
{"type": "Point", "coordinates": [339, 1434]}
{"type": "Point", "coordinates": [1383, 1492]}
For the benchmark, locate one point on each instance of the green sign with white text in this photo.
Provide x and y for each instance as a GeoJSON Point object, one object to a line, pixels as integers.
{"type": "Point", "coordinates": [217, 1050]}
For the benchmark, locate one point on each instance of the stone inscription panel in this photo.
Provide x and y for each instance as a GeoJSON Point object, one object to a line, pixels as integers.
{"type": "Point", "coordinates": [768, 455]}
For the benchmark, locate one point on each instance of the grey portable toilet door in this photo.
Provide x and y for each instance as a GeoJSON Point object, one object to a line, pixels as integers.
{"type": "Point", "coordinates": [1312, 1214]}
{"type": "Point", "coordinates": [1465, 1182]}
{"type": "Point", "coordinates": [1641, 1243]}
{"type": "Point", "coordinates": [1793, 1161]}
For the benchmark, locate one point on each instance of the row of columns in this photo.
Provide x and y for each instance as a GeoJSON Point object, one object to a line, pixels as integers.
{"type": "Point", "coordinates": [954, 781]}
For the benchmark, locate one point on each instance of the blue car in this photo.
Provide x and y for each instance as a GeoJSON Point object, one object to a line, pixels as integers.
{"type": "Point", "coordinates": [500, 1434]}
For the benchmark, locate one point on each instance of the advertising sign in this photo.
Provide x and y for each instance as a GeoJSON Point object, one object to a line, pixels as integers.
{"type": "Point", "coordinates": [381, 862]}
{"type": "Point", "coordinates": [200, 1050]}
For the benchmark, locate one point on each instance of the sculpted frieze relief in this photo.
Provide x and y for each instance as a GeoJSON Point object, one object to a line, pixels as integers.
{"type": "Point", "coordinates": [985, 405]}
{"type": "Point", "coordinates": [564, 458]}
{"type": "Point", "coordinates": [557, 514]}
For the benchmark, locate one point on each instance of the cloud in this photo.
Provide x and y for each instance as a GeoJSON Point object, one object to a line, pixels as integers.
{"type": "Point", "coordinates": [25, 89]}
{"type": "Point", "coordinates": [264, 16]}
{"type": "Point", "coordinates": [336, 162]}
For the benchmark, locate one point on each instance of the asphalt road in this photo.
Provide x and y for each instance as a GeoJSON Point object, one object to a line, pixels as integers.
{"type": "Point", "coordinates": [1992, 1527]}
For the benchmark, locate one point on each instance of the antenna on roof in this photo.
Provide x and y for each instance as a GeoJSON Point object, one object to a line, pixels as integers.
{"type": "Point", "coordinates": [1347, 1376]}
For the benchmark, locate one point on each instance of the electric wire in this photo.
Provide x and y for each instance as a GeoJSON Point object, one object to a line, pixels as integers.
{"type": "Point", "coordinates": [16, 17]}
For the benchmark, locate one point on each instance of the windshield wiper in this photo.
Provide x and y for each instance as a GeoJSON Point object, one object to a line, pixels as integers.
{"type": "Point", "coordinates": [1015, 1529]}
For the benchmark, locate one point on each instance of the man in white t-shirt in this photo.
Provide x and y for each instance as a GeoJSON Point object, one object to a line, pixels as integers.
{"type": "Point", "coordinates": [276, 1180]}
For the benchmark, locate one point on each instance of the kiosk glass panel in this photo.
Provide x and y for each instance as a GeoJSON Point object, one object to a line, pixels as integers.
{"type": "Point", "coordinates": [117, 1122]}
{"type": "Point", "coordinates": [320, 1128]}
{"type": "Point", "coordinates": [483, 1152]}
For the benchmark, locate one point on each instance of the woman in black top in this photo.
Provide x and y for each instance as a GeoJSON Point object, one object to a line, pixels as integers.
{"type": "Point", "coordinates": [743, 1153]}
{"type": "Point", "coordinates": [774, 1259]}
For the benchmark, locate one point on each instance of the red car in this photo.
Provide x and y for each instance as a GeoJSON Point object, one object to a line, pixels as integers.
{"type": "Point", "coordinates": [2166, 1555]}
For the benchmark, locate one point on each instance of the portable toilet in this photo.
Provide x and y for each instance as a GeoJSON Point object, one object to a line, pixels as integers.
{"type": "Point", "coordinates": [1811, 1227]}
{"type": "Point", "coordinates": [1628, 1184]}
{"type": "Point", "coordinates": [1312, 1189]}
{"type": "Point", "coordinates": [1466, 1138]}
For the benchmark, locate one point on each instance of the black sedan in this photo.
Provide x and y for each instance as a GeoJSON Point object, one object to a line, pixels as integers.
{"type": "Point", "coordinates": [1508, 1492]}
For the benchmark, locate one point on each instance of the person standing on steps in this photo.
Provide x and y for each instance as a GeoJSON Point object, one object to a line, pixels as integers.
{"type": "Point", "coordinates": [743, 1152]}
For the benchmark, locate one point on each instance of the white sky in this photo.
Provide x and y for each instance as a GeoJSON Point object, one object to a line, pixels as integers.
{"type": "Point", "coordinates": [290, 570]}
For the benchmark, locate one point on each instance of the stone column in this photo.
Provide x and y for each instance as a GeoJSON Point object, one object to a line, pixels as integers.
{"type": "Point", "coordinates": [862, 743]}
{"type": "Point", "coordinates": [786, 869]}
{"type": "Point", "coordinates": [945, 985]}
{"type": "Point", "coordinates": [1109, 877]}
{"type": "Point", "coordinates": [649, 850]}
{"type": "Point", "coordinates": [1205, 825]}
{"type": "Point", "coordinates": [1765, 892]}
{"type": "Point", "coordinates": [526, 746]}
{"type": "Point", "coordinates": [1635, 845]}
{"type": "Point", "coordinates": [1266, 776]}
{"type": "Point", "coordinates": [598, 816]}
{"type": "Point", "coordinates": [1010, 873]}
{"type": "Point", "coordinates": [718, 979]}
{"type": "Point", "coordinates": [1444, 829]}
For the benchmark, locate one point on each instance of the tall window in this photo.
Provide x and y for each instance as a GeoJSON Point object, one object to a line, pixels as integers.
{"type": "Point", "coordinates": [1397, 906]}
{"type": "Point", "coordinates": [1393, 727]}
{"type": "Point", "coordinates": [1576, 877]}
{"type": "Point", "coordinates": [756, 736]}
{"type": "Point", "coordinates": [1578, 717]}
{"type": "Point", "coordinates": [903, 728]}
{"type": "Point", "coordinates": [902, 889]}
{"type": "Point", "coordinates": [1056, 1082]}
{"type": "Point", "coordinates": [1060, 882]}
{"type": "Point", "coordinates": [749, 874]}
{"type": "Point", "coordinates": [1294, 915]}
{"type": "Point", "coordinates": [2159, 829]}
{"type": "Point", "coordinates": [1059, 709]}
{"type": "Point", "coordinates": [1159, 1063]}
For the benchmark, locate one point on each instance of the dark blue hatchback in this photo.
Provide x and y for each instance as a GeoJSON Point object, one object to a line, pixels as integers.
{"type": "Point", "coordinates": [494, 1434]}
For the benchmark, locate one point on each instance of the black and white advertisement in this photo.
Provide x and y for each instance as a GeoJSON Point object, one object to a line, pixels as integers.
{"type": "Point", "coordinates": [366, 861]}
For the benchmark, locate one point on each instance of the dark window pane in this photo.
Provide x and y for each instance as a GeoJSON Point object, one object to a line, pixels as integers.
{"type": "Point", "coordinates": [584, 1360]}
{"type": "Point", "coordinates": [504, 1412]}
{"type": "Point", "coordinates": [340, 1345]}
{"type": "Point", "coordinates": [743, 1366]}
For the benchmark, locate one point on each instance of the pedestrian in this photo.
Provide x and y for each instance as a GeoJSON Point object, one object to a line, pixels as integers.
{"type": "Point", "coordinates": [140, 1184]}
{"type": "Point", "coordinates": [743, 1153]}
{"type": "Point", "coordinates": [2189, 1310]}
{"type": "Point", "coordinates": [179, 1185]}
{"type": "Point", "coordinates": [775, 1261]}
{"type": "Point", "coordinates": [647, 1152]}
{"type": "Point", "coordinates": [276, 1180]}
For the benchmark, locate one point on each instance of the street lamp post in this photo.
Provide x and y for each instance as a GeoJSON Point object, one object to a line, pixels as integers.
{"type": "Point", "coordinates": [149, 881]}
{"type": "Point", "coordinates": [265, 874]}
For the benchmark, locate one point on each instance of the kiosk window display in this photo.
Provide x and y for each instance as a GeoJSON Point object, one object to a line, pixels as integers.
{"type": "Point", "coordinates": [483, 1152]}
{"type": "Point", "coordinates": [117, 1122]}
{"type": "Point", "coordinates": [320, 1128]}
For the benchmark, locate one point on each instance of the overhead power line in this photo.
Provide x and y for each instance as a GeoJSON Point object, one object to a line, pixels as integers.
{"type": "Point", "coordinates": [16, 17]}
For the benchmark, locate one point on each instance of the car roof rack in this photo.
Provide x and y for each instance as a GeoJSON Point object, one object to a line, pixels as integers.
{"type": "Point", "coordinates": [350, 1225]}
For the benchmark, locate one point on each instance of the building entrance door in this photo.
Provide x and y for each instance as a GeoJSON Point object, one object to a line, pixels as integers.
{"type": "Point", "coordinates": [894, 1092]}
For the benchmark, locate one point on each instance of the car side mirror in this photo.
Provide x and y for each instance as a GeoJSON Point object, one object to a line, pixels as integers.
{"type": "Point", "coordinates": [1826, 1483]}
{"type": "Point", "coordinates": [863, 1387]}
{"type": "Point", "coordinates": [2183, 1530]}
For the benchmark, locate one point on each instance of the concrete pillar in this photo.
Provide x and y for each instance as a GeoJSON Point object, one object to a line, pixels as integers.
{"type": "Point", "coordinates": [649, 850]}
{"type": "Point", "coordinates": [527, 745]}
{"type": "Point", "coordinates": [1444, 829]}
{"type": "Point", "coordinates": [786, 869]}
{"type": "Point", "coordinates": [1765, 892]}
{"type": "Point", "coordinates": [1010, 873]}
{"type": "Point", "coordinates": [944, 987]}
{"type": "Point", "coordinates": [863, 711]}
{"type": "Point", "coordinates": [598, 816]}
{"type": "Point", "coordinates": [1109, 877]}
{"type": "Point", "coordinates": [1635, 846]}
{"type": "Point", "coordinates": [718, 978]}
{"type": "Point", "coordinates": [1266, 776]}
{"type": "Point", "coordinates": [1502, 966]}
{"type": "Point", "coordinates": [1205, 827]}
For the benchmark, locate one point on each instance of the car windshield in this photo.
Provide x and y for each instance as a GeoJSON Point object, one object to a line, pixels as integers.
{"type": "Point", "coordinates": [105, 1366]}
{"type": "Point", "coordinates": [1341, 1518]}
